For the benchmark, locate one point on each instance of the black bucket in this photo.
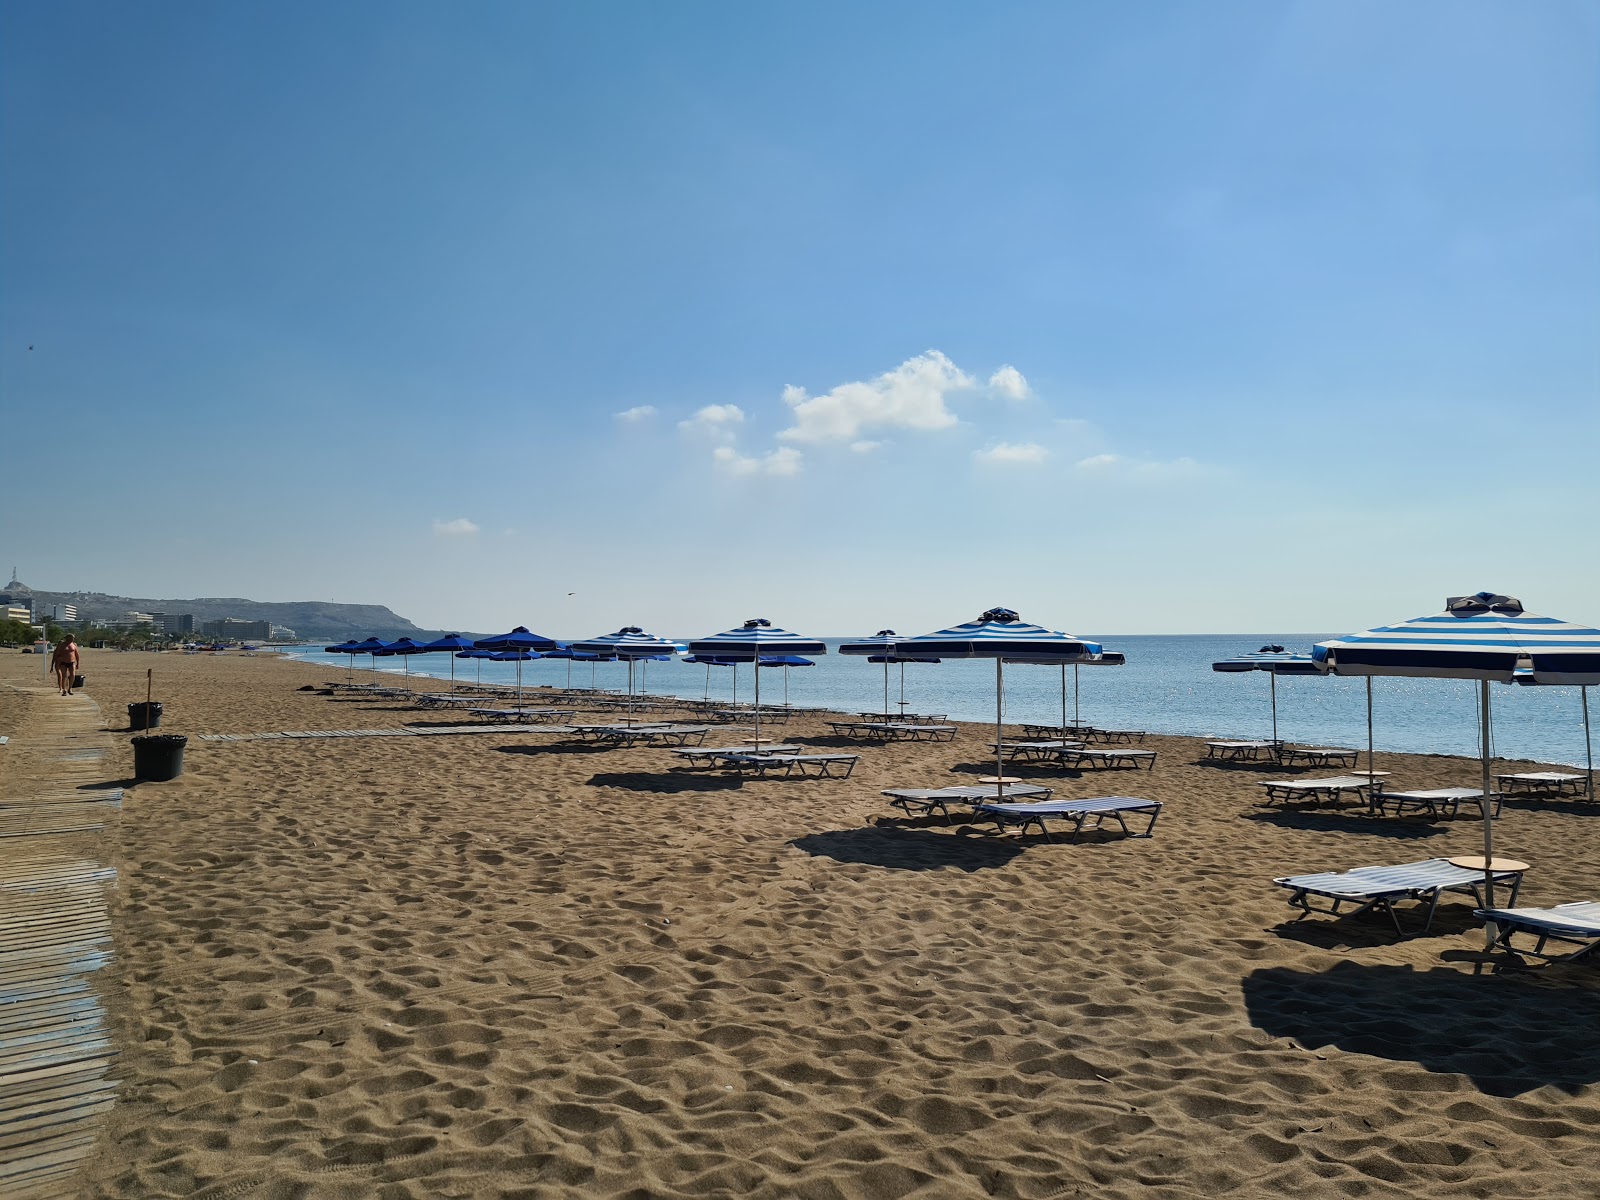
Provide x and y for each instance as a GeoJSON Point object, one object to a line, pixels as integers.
{"type": "Point", "coordinates": [158, 756]}
{"type": "Point", "coordinates": [144, 716]}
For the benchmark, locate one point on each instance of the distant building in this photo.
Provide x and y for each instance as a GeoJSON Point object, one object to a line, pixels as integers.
{"type": "Point", "coordinates": [171, 623]}
{"type": "Point", "coordinates": [16, 612]}
{"type": "Point", "coordinates": [132, 620]}
{"type": "Point", "coordinates": [64, 614]}
{"type": "Point", "coordinates": [229, 629]}
{"type": "Point", "coordinates": [282, 633]}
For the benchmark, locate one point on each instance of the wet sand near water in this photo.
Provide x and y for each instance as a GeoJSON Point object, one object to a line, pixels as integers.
{"type": "Point", "coordinates": [502, 965]}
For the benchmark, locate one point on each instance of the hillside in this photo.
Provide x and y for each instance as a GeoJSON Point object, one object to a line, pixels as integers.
{"type": "Point", "coordinates": [316, 620]}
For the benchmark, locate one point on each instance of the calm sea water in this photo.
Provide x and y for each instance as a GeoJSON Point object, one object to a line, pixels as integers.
{"type": "Point", "coordinates": [1167, 686]}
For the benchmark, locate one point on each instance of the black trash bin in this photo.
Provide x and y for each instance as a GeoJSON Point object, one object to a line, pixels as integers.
{"type": "Point", "coordinates": [144, 716]}
{"type": "Point", "coordinates": [158, 756]}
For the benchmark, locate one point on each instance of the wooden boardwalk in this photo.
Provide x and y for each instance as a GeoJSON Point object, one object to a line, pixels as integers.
{"type": "Point", "coordinates": [56, 1053]}
{"type": "Point", "coordinates": [398, 731]}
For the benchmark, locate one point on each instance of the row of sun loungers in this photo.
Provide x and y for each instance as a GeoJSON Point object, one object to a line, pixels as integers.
{"type": "Point", "coordinates": [1085, 733]}
{"type": "Point", "coordinates": [894, 731]}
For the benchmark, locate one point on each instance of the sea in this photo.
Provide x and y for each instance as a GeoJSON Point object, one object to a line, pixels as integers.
{"type": "Point", "coordinates": [1167, 686]}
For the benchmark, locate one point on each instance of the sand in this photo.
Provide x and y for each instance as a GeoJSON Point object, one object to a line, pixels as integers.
{"type": "Point", "coordinates": [500, 965]}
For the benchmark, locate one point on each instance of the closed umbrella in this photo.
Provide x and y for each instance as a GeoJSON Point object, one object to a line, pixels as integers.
{"type": "Point", "coordinates": [1000, 634]}
{"type": "Point", "coordinates": [1486, 637]}
{"type": "Point", "coordinates": [1275, 661]}
{"type": "Point", "coordinates": [749, 642]}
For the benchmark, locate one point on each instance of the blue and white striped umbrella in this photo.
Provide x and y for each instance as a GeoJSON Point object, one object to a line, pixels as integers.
{"type": "Point", "coordinates": [748, 643]}
{"type": "Point", "coordinates": [880, 648]}
{"type": "Point", "coordinates": [1486, 636]}
{"type": "Point", "coordinates": [1002, 635]}
{"type": "Point", "coordinates": [631, 644]}
{"type": "Point", "coordinates": [1274, 660]}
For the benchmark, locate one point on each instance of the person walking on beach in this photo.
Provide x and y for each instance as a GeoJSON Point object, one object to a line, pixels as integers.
{"type": "Point", "coordinates": [65, 660]}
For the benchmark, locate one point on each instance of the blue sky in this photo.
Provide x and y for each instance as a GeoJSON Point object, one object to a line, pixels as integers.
{"type": "Point", "coordinates": [1135, 318]}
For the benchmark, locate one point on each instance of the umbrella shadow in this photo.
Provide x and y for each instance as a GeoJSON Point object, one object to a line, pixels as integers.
{"type": "Point", "coordinates": [666, 781]}
{"type": "Point", "coordinates": [1321, 822]}
{"type": "Point", "coordinates": [1248, 766]}
{"type": "Point", "coordinates": [906, 849]}
{"type": "Point", "coordinates": [1556, 804]}
{"type": "Point", "coordinates": [554, 748]}
{"type": "Point", "coordinates": [1508, 1034]}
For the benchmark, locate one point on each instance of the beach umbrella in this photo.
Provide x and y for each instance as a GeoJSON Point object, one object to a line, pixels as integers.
{"type": "Point", "coordinates": [711, 660]}
{"type": "Point", "coordinates": [369, 645]}
{"type": "Point", "coordinates": [889, 660]}
{"type": "Point", "coordinates": [1001, 635]}
{"type": "Point", "coordinates": [1106, 658]}
{"type": "Point", "coordinates": [1275, 661]}
{"type": "Point", "coordinates": [563, 650]}
{"type": "Point", "coordinates": [518, 639]}
{"type": "Point", "coordinates": [480, 655]}
{"type": "Point", "coordinates": [879, 648]}
{"type": "Point", "coordinates": [345, 647]}
{"type": "Point", "coordinates": [450, 643]}
{"type": "Point", "coordinates": [405, 647]}
{"type": "Point", "coordinates": [1485, 637]}
{"type": "Point", "coordinates": [631, 644]}
{"type": "Point", "coordinates": [749, 642]}
{"type": "Point", "coordinates": [785, 661]}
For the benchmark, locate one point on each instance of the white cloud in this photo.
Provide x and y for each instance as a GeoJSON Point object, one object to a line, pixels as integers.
{"type": "Point", "coordinates": [783, 461]}
{"type": "Point", "coordinates": [637, 413]}
{"type": "Point", "coordinates": [718, 420]}
{"type": "Point", "coordinates": [1098, 462]}
{"type": "Point", "coordinates": [1008, 382]}
{"type": "Point", "coordinates": [1013, 452]}
{"type": "Point", "coordinates": [460, 527]}
{"type": "Point", "coordinates": [864, 447]}
{"type": "Point", "coordinates": [912, 396]}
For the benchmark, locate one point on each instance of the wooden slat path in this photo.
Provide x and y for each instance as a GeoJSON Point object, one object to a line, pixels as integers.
{"type": "Point", "coordinates": [431, 731]}
{"type": "Point", "coordinates": [56, 1051]}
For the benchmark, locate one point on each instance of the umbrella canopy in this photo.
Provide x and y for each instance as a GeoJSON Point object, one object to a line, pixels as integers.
{"type": "Point", "coordinates": [450, 643]}
{"type": "Point", "coordinates": [630, 643]}
{"type": "Point", "coordinates": [749, 643]}
{"type": "Point", "coordinates": [879, 648]}
{"type": "Point", "coordinates": [345, 647]}
{"type": "Point", "coordinates": [1106, 658]}
{"type": "Point", "coordinates": [1486, 637]}
{"type": "Point", "coordinates": [369, 645]}
{"type": "Point", "coordinates": [405, 647]}
{"type": "Point", "coordinates": [1275, 661]}
{"type": "Point", "coordinates": [518, 639]}
{"type": "Point", "coordinates": [1000, 634]}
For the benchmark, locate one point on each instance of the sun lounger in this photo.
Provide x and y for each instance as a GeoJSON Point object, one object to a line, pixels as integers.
{"type": "Point", "coordinates": [1080, 759]}
{"type": "Point", "coordinates": [904, 718]}
{"type": "Point", "coordinates": [1036, 751]}
{"type": "Point", "coordinates": [1543, 783]}
{"type": "Point", "coordinates": [1070, 732]}
{"type": "Point", "coordinates": [1334, 788]}
{"type": "Point", "coordinates": [706, 756]}
{"type": "Point", "coordinates": [1434, 801]}
{"type": "Point", "coordinates": [1382, 887]}
{"type": "Point", "coordinates": [1576, 924]}
{"type": "Point", "coordinates": [1241, 751]}
{"type": "Point", "coordinates": [1317, 756]}
{"type": "Point", "coordinates": [896, 731]}
{"type": "Point", "coordinates": [1080, 814]}
{"type": "Point", "coordinates": [531, 716]}
{"type": "Point", "coordinates": [793, 766]}
{"type": "Point", "coordinates": [921, 802]}
{"type": "Point", "coordinates": [1115, 737]}
{"type": "Point", "coordinates": [654, 735]}
{"type": "Point", "coordinates": [857, 729]}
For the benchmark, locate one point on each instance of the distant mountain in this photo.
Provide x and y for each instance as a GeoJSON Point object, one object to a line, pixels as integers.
{"type": "Point", "coordinates": [315, 620]}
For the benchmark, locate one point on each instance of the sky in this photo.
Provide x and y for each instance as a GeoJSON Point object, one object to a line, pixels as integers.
{"type": "Point", "coordinates": [1157, 318]}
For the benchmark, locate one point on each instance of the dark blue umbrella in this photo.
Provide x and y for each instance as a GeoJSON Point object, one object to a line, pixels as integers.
{"type": "Point", "coordinates": [480, 655]}
{"type": "Point", "coordinates": [405, 647]}
{"type": "Point", "coordinates": [449, 643]}
{"type": "Point", "coordinates": [562, 650]}
{"type": "Point", "coordinates": [786, 661]}
{"type": "Point", "coordinates": [345, 647]}
{"type": "Point", "coordinates": [369, 645]}
{"type": "Point", "coordinates": [518, 639]}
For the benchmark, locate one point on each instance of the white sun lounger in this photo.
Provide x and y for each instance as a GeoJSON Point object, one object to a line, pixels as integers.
{"type": "Point", "coordinates": [1317, 756]}
{"type": "Point", "coordinates": [1576, 924]}
{"type": "Point", "coordinates": [793, 766]}
{"type": "Point", "coordinates": [922, 802]}
{"type": "Point", "coordinates": [1543, 783]}
{"type": "Point", "coordinates": [1080, 759]}
{"type": "Point", "coordinates": [1446, 801]}
{"type": "Point", "coordinates": [1332, 788]}
{"type": "Point", "coordinates": [1382, 887]}
{"type": "Point", "coordinates": [1241, 751]}
{"type": "Point", "coordinates": [1088, 814]}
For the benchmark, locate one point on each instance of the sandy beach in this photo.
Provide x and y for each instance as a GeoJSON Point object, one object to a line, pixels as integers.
{"type": "Point", "coordinates": [507, 965]}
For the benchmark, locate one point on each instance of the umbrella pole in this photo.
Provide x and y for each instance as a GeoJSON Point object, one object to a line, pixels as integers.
{"type": "Point", "coordinates": [630, 691]}
{"type": "Point", "coordinates": [999, 746]}
{"type": "Point", "coordinates": [1064, 697]}
{"type": "Point", "coordinates": [786, 685]}
{"type": "Point", "coordinates": [1372, 778]}
{"type": "Point", "coordinates": [886, 690]}
{"type": "Point", "coordinates": [1076, 719]}
{"type": "Point", "coordinates": [1272, 677]}
{"type": "Point", "coordinates": [1588, 746]}
{"type": "Point", "coordinates": [755, 669]}
{"type": "Point", "coordinates": [1488, 825]}
{"type": "Point", "coordinates": [902, 689]}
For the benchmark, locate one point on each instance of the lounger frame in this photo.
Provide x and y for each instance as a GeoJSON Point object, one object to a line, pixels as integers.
{"type": "Point", "coordinates": [1084, 816]}
{"type": "Point", "coordinates": [1381, 888]}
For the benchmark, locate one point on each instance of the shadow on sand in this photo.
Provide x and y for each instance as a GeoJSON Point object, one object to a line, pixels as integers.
{"type": "Point", "coordinates": [1325, 822]}
{"type": "Point", "coordinates": [1509, 1034]}
{"type": "Point", "coordinates": [667, 781]}
{"type": "Point", "coordinates": [907, 849]}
